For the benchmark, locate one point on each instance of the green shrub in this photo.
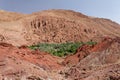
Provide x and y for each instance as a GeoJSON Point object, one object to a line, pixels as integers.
{"type": "Point", "coordinates": [61, 49]}
{"type": "Point", "coordinates": [91, 43]}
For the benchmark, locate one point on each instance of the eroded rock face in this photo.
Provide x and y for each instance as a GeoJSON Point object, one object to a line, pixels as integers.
{"type": "Point", "coordinates": [101, 64]}
{"type": "Point", "coordinates": [23, 64]}
{"type": "Point", "coordinates": [53, 29]}
{"type": "Point", "coordinates": [85, 50]}
{"type": "Point", "coordinates": [97, 62]}
{"type": "Point", "coordinates": [2, 38]}
{"type": "Point", "coordinates": [80, 54]}
{"type": "Point", "coordinates": [55, 26]}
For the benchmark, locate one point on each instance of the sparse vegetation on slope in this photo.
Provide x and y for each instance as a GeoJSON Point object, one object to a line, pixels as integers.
{"type": "Point", "coordinates": [61, 49]}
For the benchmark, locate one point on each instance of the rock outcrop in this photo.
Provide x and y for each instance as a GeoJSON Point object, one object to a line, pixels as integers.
{"type": "Point", "coordinates": [102, 63]}
{"type": "Point", "coordinates": [55, 26]}
{"type": "Point", "coordinates": [21, 63]}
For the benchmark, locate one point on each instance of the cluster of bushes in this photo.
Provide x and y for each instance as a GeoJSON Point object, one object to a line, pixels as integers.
{"type": "Point", "coordinates": [61, 49]}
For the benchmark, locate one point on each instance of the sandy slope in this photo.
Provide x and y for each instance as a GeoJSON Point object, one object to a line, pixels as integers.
{"type": "Point", "coordinates": [22, 63]}
{"type": "Point", "coordinates": [54, 26]}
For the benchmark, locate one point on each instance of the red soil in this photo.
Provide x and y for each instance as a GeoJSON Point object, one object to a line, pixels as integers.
{"type": "Point", "coordinates": [86, 50]}
{"type": "Point", "coordinates": [96, 62]}
{"type": "Point", "coordinates": [13, 60]}
{"type": "Point", "coordinates": [102, 62]}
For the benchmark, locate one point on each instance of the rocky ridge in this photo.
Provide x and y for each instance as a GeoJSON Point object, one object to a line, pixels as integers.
{"type": "Point", "coordinates": [55, 26]}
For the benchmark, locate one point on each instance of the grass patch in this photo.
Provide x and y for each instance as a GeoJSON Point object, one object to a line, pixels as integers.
{"type": "Point", "coordinates": [61, 49]}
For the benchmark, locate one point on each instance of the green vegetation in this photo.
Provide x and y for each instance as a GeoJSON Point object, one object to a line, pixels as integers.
{"type": "Point", "coordinates": [61, 49]}
{"type": "Point", "coordinates": [91, 43]}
